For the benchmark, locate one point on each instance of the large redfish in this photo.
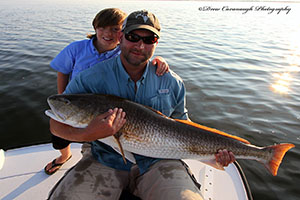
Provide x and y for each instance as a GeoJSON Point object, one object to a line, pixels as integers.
{"type": "Point", "coordinates": [148, 132]}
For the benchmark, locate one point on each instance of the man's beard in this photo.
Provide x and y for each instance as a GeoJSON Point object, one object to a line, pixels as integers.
{"type": "Point", "coordinates": [135, 60]}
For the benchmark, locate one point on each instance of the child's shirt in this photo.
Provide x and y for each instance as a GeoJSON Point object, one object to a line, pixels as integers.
{"type": "Point", "coordinates": [80, 55]}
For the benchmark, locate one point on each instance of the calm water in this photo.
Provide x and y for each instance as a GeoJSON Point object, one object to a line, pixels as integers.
{"type": "Point", "coordinates": [241, 71]}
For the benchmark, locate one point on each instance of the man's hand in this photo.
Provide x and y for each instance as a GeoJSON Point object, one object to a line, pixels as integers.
{"type": "Point", "coordinates": [224, 157]}
{"type": "Point", "coordinates": [106, 124]}
{"type": "Point", "coordinates": [162, 65]}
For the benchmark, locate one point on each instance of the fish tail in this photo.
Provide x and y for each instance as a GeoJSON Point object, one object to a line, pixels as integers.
{"type": "Point", "coordinates": [279, 151]}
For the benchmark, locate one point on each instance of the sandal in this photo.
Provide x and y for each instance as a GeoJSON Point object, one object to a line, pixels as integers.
{"type": "Point", "coordinates": [54, 164]}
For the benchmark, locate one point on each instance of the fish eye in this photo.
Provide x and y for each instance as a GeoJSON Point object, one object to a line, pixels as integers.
{"type": "Point", "coordinates": [65, 101]}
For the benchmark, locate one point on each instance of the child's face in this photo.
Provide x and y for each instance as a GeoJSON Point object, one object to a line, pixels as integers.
{"type": "Point", "coordinates": [107, 37]}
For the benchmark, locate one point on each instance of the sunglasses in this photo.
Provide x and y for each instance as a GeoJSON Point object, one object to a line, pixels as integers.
{"type": "Point", "coordinates": [135, 38]}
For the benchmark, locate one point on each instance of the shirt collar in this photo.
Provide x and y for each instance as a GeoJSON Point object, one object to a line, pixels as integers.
{"type": "Point", "coordinates": [112, 52]}
{"type": "Point", "coordinates": [106, 54]}
{"type": "Point", "coordinates": [92, 47]}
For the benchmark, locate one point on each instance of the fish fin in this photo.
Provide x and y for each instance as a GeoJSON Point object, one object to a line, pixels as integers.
{"type": "Point", "coordinates": [213, 163]}
{"type": "Point", "coordinates": [121, 149]}
{"type": "Point", "coordinates": [128, 155]}
{"type": "Point", "coordinates": [160, 113]}
{"type": "Point", "coordinates": [156, 111]}
{"type": "Point", "coordinates": [212, 130]}
{"type": "Point", "coordinates": [279, 151]}
{"type": "Point", "coordinates": [110, 141]}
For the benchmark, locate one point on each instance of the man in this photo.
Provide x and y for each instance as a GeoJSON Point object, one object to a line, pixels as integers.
{"type": "Point", "coordinates": [101, 173]}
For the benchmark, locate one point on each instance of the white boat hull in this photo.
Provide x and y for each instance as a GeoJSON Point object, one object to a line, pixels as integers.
{"type": "Point", "coordinates": [22, 175]}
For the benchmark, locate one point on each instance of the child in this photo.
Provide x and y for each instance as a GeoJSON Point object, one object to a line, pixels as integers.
{"type": "Point", "coordinates": [80, 55]}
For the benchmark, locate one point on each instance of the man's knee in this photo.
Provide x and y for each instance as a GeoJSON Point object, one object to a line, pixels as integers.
{"type": "Point", "coordinates": [167, 179]}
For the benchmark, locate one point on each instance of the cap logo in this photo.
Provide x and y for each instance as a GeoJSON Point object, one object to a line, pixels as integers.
{"type": "Point", "coordinates": [145, 17]}
{"type": "Point", "coordinates": [141, 20]}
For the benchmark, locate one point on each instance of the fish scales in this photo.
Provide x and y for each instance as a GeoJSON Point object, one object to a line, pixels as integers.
{"type": "Point", "coordinates": [148, 132]}
{"type": "Point", "coordinates": [180, 141]}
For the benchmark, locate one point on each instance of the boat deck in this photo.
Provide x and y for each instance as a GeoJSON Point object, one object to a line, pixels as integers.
{"type": "Point", "coordinates": [22, 175]}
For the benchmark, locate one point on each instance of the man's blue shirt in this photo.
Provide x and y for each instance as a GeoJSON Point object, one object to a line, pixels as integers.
{"type": "Point", "coordinates": [80, 55]}
{"type": "Point", "coordinates": [164, 93]}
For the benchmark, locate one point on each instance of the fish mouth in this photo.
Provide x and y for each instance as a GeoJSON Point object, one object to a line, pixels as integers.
{"type": "Point", "coordinates": [57, 114]}
{"type": "Point", "coordinates": [55, 111]}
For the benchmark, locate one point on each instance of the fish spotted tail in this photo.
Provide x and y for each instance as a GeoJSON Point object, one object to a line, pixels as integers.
{"type": "Point", "coordinates": [279, 151]}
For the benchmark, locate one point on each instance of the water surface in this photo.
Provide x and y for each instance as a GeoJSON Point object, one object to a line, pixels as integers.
{"type": "Point", "coordinates": [241, 71]}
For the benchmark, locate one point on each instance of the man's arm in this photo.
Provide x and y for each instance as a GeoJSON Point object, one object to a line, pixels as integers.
{"type": "Point", "coordinates": [102, 126]}
{"type": "Point", "coordinates": [180, 111]}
